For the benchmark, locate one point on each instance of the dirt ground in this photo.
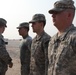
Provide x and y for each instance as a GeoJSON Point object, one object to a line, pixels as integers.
{"type": "Point", "coordinates": [15, 70]}
{"type": "Point", "coordinates": [13, 50]}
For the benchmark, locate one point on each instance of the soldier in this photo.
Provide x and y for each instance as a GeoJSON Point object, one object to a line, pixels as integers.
{"type": "Point", "coordinates": [25, 48]}
{"type": "Point", "coordinates": [39, 56]}
{"type": "Point", "coordinates": [5, 59]}
{"type": "Point", "coordinates": [62, 47]}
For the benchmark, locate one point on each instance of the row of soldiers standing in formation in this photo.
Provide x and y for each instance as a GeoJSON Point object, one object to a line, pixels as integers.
{"type": "Point", "coordinates": [45, 55]}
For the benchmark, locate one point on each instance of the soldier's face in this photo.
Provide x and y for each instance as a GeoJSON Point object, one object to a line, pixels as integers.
{"type": "Point", "coordinates": [60, 19]}
{"type": "Point", "coordinates": [36, 27]}
{"type": "Point", "coordinates": [22, 31]}
{"type": "Point", "coordinates": [2, 29]}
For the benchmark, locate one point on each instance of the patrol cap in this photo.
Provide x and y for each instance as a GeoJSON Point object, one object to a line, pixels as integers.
{"type": "Point", "coordinates": [62, 5]}
{"type": "Point", "coordinates": [38, 17]}
{"type": "Point", "coordinates": [24, 24]}
{"type": "Point", "coordinates": [3, 22]}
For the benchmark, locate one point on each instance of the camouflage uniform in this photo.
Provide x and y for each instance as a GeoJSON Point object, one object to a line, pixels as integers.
{"type": "Point", "coordinates": [5, 59]}
{"type": "Point", "coordinates": [39, 54]}
{"type": "Point", "coordinates": [25, 55]}
{"type": "Point", "coordinates": [25, 47]}
{"type": "Point", "coordinates": [62, 46]}
{"type": "Point", "coordinates": [62, 53]}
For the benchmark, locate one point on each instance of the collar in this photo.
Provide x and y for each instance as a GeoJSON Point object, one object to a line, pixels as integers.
{"type": "Point", "coordinates": [63, 35]}
{"type": "Point", "coordinates": [38, 37]}
{"type": "Point", "coordinates": [25, 36]}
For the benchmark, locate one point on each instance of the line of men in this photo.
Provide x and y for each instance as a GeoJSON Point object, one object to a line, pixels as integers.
{"type": "Point", "coordinates": [45, 55]}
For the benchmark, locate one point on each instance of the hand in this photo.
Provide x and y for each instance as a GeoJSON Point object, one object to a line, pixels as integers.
{"type": "Point", "coordinates": [10, 65]}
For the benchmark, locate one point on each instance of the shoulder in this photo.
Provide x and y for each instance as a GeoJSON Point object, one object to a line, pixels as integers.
{"type": "Point", "coordinates": [72, 40]}
{"type": "Point", "coordinates": [73, 37]}
{"type": "Point", "coordinates": [46, 37]}
{"type": "Point", "coordinates": [72, 34]}
{"type": "Point", "coordinates": [27, 40]}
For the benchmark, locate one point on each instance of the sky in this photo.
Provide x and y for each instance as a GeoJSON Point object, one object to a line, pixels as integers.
{"type": "Point", "coordinates": [18, 11]}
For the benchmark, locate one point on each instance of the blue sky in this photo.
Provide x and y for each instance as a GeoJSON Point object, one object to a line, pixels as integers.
{"type": "Point", "coordinates": [17, 11]}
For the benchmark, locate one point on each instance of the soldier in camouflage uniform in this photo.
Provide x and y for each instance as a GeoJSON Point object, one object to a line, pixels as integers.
{"type": "Point", "coordinates": [5, 59]}
{"type": "Point", "coordinates": [62, 46]}
{"type": "Point", "coordinates": [39, 48]}
{"type": "Point", "coordinates": [25, 48]}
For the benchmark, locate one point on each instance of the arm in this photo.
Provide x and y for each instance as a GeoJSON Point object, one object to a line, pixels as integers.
{"type": "Point", "coordinates": [45, 46]}
{"type": "Point", "coordinates": [4, 55]}
{"type": "Point", "coordinates": [25, 55]}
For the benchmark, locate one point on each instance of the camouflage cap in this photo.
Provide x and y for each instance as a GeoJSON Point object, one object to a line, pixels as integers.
{"type": "Point", "coordinates": [3, 22]}
{"type": "Point", "coordinates": [61, 5]}
{"type": "Point", "coordinates": [38, 17]}
{"type": "Point", "coordinates": [24, 24]}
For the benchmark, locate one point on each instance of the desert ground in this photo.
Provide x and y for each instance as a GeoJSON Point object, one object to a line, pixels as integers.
{"type": "Point", "coordinates": [14, 52]}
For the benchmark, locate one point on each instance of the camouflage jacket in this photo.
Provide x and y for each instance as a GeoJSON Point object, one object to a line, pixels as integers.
{"type": "Point", "coordinates": [39, 54]}
{"type": "Point", "coordinates": [62, 53]}
{"type": "Point", "coordinates": [25, 47]}
{"type": "Point", "coordinates": [5, 59]}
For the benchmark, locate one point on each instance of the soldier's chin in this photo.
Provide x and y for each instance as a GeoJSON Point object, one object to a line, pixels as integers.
{"type": "Point", "coordinates": [19, 33]}
{"type": "Point", "coordinates": [54, 24]}
{"type": "Point", "coordinates": [33, 31]}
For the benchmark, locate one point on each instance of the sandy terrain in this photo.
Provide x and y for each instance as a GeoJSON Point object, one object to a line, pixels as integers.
{"type": "Point", "coordinates": [13, 49]}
